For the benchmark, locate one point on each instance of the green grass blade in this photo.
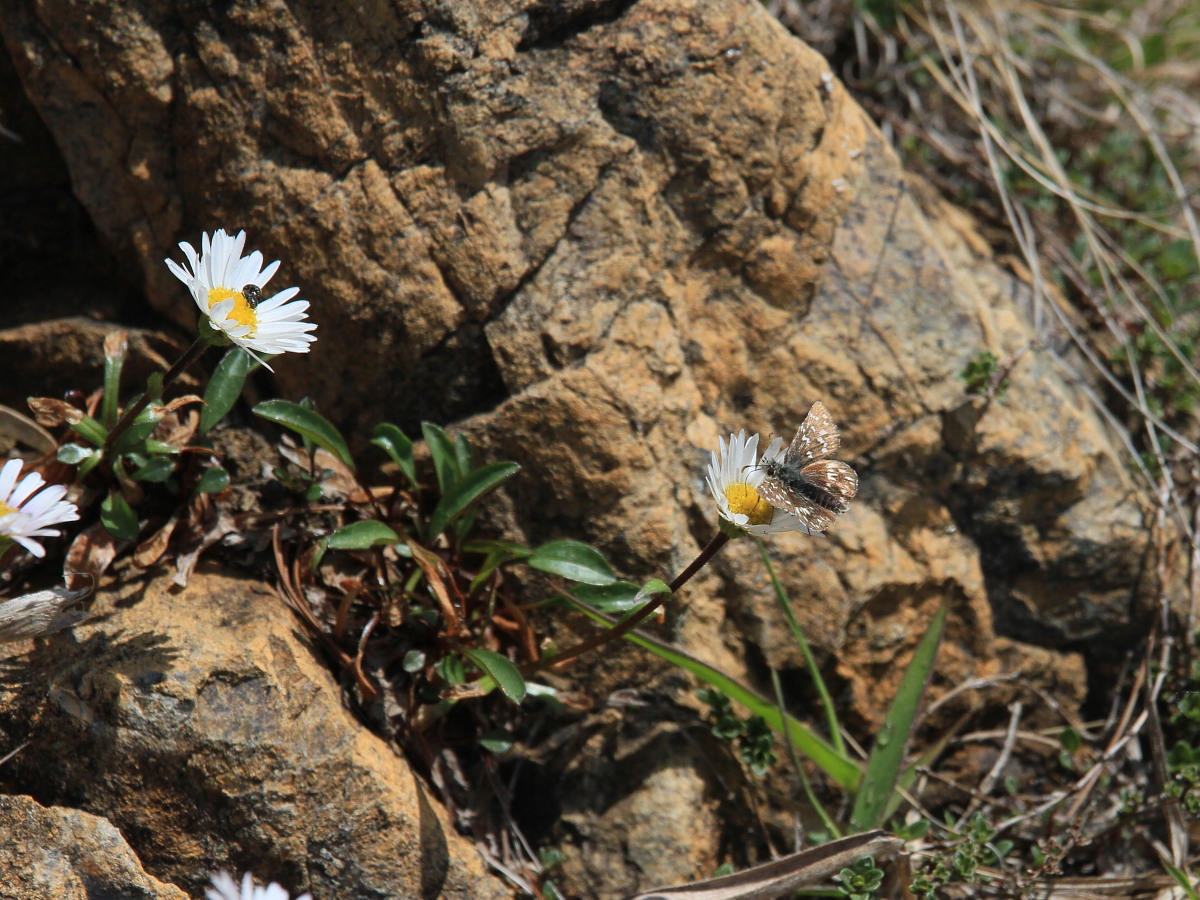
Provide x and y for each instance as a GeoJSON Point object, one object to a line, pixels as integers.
{"type": "Point", "coordinates": [781, 597]}
{"type": "Point", "coordinates": [1182, 879]}
{"type": "Point", "coordinates": [444, 455]}
{"type": "Point", "coordinates": [887, 756]}
{"type": "Point", "coordinates": [841, 769]}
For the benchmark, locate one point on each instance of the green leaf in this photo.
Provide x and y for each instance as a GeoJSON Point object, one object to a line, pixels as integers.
{"type": "Point", "coordinates": [883, 765]}
{"type": "Point", "coordinates": [618, 597]}
{"type": "Point", "coordinates": [501, 670]}
{"type": "Point", "coordinates": [396, 444]}
{"type": "Point", "coordinates": [308, 424]}
{"type": "Point", "coordinates": [213, 481]}
{"type": "Point", "coordinates": [1182, 879]}
{"type": "Point", "coordinates": [73, 454]}
{"type": "Point", "coordinates": [512, 548]}
{"type": "Point", "coordinates": [1070, 740]}
{"type": "Point", "coordinates": [498, 553]}
{"type": "Point", "coordinates": [414, 661]}
{"type": "Point", "coordinates": [143, 426]}
{"type": "Point", "coordinates": [118, 519]}
{"type": "Point", "coordinates": [364, 534]}
{"type": "Point", "coordinates": [573, 560]}
{"type": "Point", "coordinates": [156, 469]}
{"type": "Point", "coordinates": [90, 430]}
{"type": "Point", "coordinates": [224, 388]}
{"type": "Point", "coordinates": [445, 458]}
{"type": "Point", "coordinates": [496, 741]}
{"type": "Point", "coordinates": [112, 388]}
{"type": "Point", "coordinates": [467, 491]}
{"type": "Point", "coordinates": [838, 767]}
{"type": "Point", "coordinates": [464, 459]}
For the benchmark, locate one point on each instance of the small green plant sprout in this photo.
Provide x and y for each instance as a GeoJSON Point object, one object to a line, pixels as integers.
{"type": "Point", "coordinates": [984, 376]}
{"type": "Point", "coordinates": [859, 881]}
{"type": "Point", "coordinates": [754, 737]}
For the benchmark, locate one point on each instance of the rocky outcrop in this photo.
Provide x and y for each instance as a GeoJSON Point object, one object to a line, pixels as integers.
{"type": "Point", "coordinates": [595, 235]}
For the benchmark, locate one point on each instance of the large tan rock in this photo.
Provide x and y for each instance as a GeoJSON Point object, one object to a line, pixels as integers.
{"type": "Point", "coordinates": [64, 854]}
{"type": "Point", "coordinates": [212, 736]}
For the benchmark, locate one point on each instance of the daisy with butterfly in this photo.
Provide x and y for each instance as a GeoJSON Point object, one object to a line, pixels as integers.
{"type": "Point", "coordinates": [797, 490]}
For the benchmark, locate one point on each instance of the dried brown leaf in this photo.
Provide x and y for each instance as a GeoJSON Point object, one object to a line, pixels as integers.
{"type": "Point", "coordinates": [51, 412]}
{"type": "Point", "coordinates": [92, 552]}
{"type": "Point", "coordinates": [151, 550]}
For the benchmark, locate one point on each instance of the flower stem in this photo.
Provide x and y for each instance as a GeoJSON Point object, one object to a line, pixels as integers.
{"type": "Point", "coordinates": [192, 354]}
{"type": "Point", "coordinates": [628, 624]}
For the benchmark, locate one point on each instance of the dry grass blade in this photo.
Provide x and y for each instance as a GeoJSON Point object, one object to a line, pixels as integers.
{"type": "Point", "coordinates": [782, 876]}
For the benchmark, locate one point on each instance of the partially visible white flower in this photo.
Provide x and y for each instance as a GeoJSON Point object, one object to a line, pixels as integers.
{"type": "Point", "coordinates": [27, 511]}
{"type": "Point", "coordinates": [227, 287]}
{"type": "Point", "coordinates": [733, 478]}
{"type": "Point", "coordinates": [225, 888]}
{"type": "Point", "coordinates": [43, 612]}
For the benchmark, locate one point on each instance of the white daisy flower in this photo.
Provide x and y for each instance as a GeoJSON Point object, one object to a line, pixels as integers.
{"type": "Point", "coordinates": [228, 289]}
{"type": "Point", "coordinates": [225, 888]}
{"type": "Point", "coordinates": [733, 477]}
{"type": "Point", "coordinates": [27, 511]}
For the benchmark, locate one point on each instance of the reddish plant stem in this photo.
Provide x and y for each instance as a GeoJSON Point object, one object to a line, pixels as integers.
{"type": "Point", "coordinates": [627, 625]}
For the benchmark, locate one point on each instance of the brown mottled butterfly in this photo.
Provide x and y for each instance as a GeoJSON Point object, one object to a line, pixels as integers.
{"type": "Point", "coordinates": [806, 484]}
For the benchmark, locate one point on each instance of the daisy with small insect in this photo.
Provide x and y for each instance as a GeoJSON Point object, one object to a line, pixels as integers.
{"type": "Point", "coordinates": [29, 509]}
{"type": "Point", "coordinates": [228, 289]}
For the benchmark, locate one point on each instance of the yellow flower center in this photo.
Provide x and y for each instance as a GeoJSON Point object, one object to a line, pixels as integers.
{"type": "Point", "coordinates": [745, 500]}
{"type": "Point", "coordinates": [5, 509]}
{"type": "Point", "coordinates": [241, 312]}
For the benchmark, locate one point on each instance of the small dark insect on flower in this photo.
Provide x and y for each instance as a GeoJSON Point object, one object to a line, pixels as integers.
{"type": "Point", "coordinates": [253, 295]}
{"type": "Point", "coordinates": [804, 482]}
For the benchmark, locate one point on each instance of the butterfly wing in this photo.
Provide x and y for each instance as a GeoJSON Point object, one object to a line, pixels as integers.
{"type": "Point", "coordinates": [816, 438]}
{"type": "Point", "coordinates": [833, 477]}
{"type": "Point", "coordinates": [812, 516]}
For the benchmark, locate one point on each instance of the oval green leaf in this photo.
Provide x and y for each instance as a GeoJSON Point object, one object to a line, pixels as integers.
{"type": "Point", "coordinates": [143, 426]}
{"type": "Point", "coordinates": [157, 469]}
{"type": "Point", "coordinates": [361, 535]}
{"type": "Point", "coordinates": [118, 518]}
{"type": "Point", "coordinates": [224, 388]}
{"type": "Point", "coordinates": [73, 454]}
{"type": "Point", "coordinates": [501, 670]}
{"type": "Point", "coordinates": [397, 445]}
{"type": "Point", "coordinates": [573, 560]}
{"type": "Point", "coordinates": [459, 498]}
{"type": "Point", "coordinates": [213, 481]}
{"type": "Point", "coordinates": [307, 424]}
